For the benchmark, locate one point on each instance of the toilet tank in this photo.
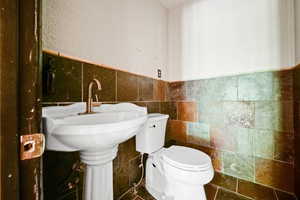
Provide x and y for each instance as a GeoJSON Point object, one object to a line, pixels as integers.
{"type": "Point", "coordinates": [152, 138]}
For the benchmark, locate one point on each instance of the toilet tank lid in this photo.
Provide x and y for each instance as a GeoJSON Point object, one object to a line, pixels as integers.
{"type": "Point", "coordinates": [157, 116]}
{"type": "Point", "coordinates": [186, 158]}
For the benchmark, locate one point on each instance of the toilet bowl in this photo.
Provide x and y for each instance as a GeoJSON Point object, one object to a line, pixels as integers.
{"type": "Point", "coordinates": [174, 173]}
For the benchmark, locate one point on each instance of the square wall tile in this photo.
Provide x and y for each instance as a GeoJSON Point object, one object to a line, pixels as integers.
{"type": "Point", "coordinates": [274, 115]}
{"type": "Point", "coordinates": [255, 87]}
{"type": "Point", "coordinates": [223, 138]}
{"type": "Point", "coordinates": [127, 86]}
{"type": "Point", "coordinates": [107, 78]}
{"type": "Point", "coordinates": [264, 143]}
{"type": "Point", "coordinates": [66, 79]}
{"type": "Point", "coordinates": [233, 139]}
{"type": "Point", "coordinates": [285, 114]}
{"type": "Point", "coordinates": [216, 89]}
{"type": "Point", "coordinates": [275, 174]}
{"type": "Point", "coordinates": [266, 115]}
{"type": "Point", "coordinates": [187, 111]}
{"type": "Point", "coordinates": [159, 90]}
{"type": "Point", "coordinates": [145, 88]}
{"type": "Point", "coordinates": [284, 147]}
{"type": "Point", "coordinates": [176, 130]}
{"type": "Point", "coordinates": [241, 114]}
{"type": "Point", "coordinates": [176, 91]}
{"type": "Point", "coordinates": [245, 141]}
{"type": "Point", "coordinates": [283, 85]}
{"type": "Point", "coordinates": [229, 88]}
{"type": "Point", "coordinates": [238, 165]}
{"type": "Point", "coordinates": [198, 133]}
{"type": "Point", "coordinates": [193, 89]}
{"type": "Point", "coordinates": [220, 89]}
{"type": "Point", "coordinates": [211, 112]}
{"type": "Point", "coordinates": [169, 108]}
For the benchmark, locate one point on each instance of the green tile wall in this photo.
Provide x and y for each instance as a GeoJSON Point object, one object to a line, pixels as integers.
{"type": "Point", "coordinates": [245, 118]}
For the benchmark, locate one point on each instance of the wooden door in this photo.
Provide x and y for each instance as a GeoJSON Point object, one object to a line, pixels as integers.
{"type": "Point", "coordinates": [8, 99]}
{"type": "Point", "coordinates": [20, 67]}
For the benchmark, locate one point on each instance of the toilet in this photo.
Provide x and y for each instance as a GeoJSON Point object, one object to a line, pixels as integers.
{"type": "Point", "coordinates": [174, 173]}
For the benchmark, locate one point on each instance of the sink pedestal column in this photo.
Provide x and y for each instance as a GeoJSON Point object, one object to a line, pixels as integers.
{"type": "Point", "coordinates": [98, 182]}
{"type": "Point", "coordinates": [99, 174]}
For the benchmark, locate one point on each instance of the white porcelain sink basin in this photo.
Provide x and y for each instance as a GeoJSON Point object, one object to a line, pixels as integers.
{"type": "Point", "coordinates": [109, 126]}
{"type": "Point", "coordinates": [96, 136]}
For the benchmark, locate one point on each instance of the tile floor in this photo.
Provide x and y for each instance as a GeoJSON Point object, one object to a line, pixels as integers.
{"type": "Point", "coordinates": [215, 193]}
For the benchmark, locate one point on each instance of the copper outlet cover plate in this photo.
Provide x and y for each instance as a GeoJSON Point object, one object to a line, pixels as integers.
{"type": "Point", "coordinates": [32, 146]}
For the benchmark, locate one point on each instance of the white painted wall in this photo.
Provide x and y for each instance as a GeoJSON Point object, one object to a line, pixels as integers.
{"type": "Point", "coordinates": [198, 39]}
{"type": "Point", "coordinates": [172, 3]}
{"type": "Point", "coordinates": [211, 38]}
{"type": "Point", "coordinates": [126, 34]}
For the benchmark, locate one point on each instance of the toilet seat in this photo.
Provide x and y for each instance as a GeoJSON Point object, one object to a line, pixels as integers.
{"type": "Point", "coordinates": [186, 158]}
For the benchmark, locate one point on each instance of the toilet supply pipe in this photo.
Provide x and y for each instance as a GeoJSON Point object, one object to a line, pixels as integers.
{"type": "Point", "coordinates": [136, 185]}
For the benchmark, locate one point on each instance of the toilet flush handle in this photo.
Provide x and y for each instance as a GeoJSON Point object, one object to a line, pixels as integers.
{"type": "Point", "coordinates": [153, 126]}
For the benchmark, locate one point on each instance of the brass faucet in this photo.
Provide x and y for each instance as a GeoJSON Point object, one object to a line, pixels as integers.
{"type": "Point", "coordinates": [89, 102]}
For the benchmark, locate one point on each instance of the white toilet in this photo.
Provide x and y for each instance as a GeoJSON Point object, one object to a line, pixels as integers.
{"type": "Point", "coordinates": [174, 173]}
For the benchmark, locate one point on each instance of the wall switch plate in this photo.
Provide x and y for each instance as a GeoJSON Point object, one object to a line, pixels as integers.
{"type": "Point", "coordinates": [159, 73]}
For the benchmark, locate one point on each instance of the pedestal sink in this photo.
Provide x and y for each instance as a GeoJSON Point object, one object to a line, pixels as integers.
{"type": "Point", "coordinates": [96, 136]}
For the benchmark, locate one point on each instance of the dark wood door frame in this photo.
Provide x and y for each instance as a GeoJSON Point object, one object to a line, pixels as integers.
{"type": "Point", "coordinates": [30, 91]}
{"type": "Point", "coordinates": [20, 67]}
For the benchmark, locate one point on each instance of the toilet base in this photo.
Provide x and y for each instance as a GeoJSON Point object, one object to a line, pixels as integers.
{"type": "Point", "coordinates": [157, 195]}
{"type": "Point", "coordinates": [166, 188]}
{"type": "Point", "coordinates": [182, 194]}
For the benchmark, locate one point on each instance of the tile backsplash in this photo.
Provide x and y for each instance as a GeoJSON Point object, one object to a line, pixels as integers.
{"type": "Point", "coordinates": [245, 123]}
